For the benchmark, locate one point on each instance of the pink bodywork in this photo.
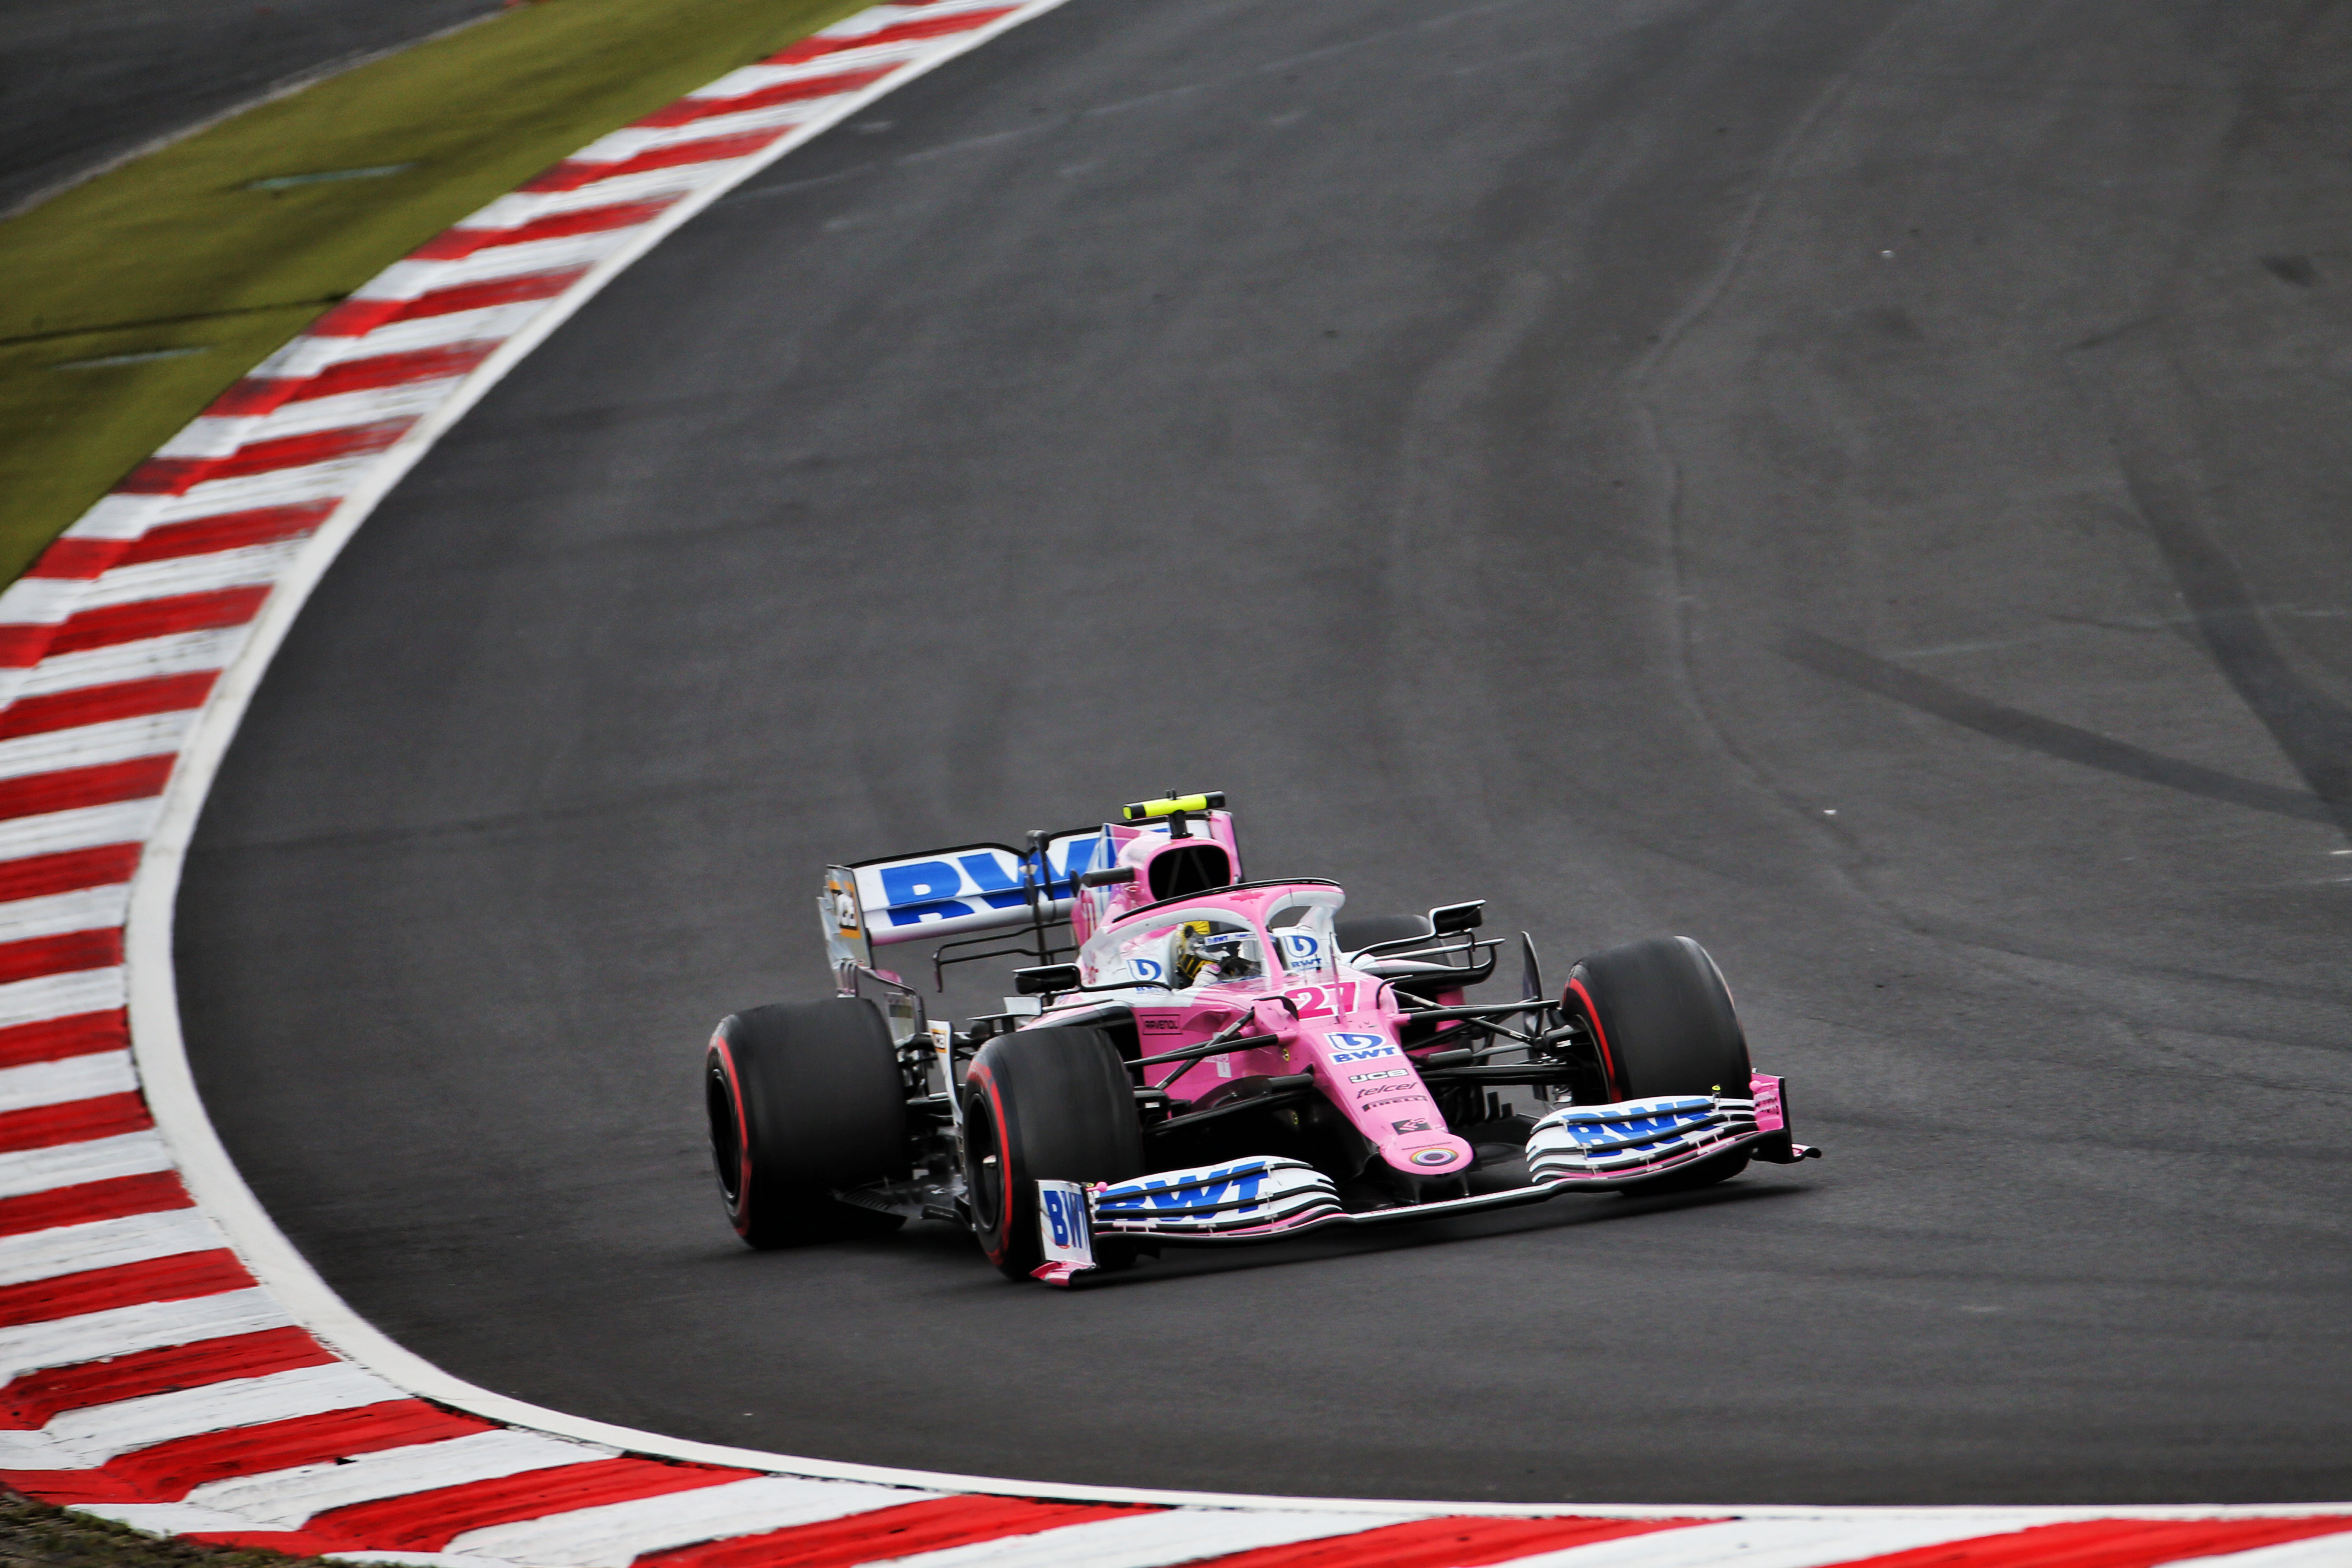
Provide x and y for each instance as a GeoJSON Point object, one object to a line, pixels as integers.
{"type": "Point", "coordinates": [1344, 1027]}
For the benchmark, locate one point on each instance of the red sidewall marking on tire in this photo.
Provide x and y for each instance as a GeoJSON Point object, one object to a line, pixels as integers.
{"type": "Point", "coordinates": [740, 1213]}
{"type": "Point", "coordinates": [987, 1080]}
{"type": "Point", "coordinates": [1608, 1061]}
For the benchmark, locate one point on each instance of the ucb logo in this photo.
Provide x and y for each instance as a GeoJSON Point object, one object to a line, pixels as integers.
{"type": "Point", "coordinates": [1355, 1042]}
{"type": "Point", "coordinates": [1066, 1216]}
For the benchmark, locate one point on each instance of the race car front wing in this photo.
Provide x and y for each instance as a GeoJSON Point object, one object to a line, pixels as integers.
{"type": "Point", "coordinates": [1266, 1199]}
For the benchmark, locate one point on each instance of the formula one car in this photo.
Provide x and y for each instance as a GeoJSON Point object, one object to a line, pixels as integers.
{"type": "Point", "coordinates": [1207, 1062]}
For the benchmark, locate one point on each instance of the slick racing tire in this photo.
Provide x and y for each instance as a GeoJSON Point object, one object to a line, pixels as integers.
{"type": "Point", "coordinates": [1663, 1020]}
{"type": "Point", "coordinates": [1042, 1104]}
{"type": "Point", "coordinates": [804, 1098]}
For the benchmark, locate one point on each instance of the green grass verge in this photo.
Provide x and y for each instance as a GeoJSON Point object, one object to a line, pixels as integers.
{"type": "Point", "coordinates": [185, 273]}
{"type": "Point", "coordinates": [34, 1534]}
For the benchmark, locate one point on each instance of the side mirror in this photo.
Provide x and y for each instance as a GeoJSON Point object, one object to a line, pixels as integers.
{"type": "Point", "coordinates": [1045, 977]}
{"type": "Point", "coordinates": [1106, 877]}
{"type": "Point", "coordinates": [1448, 918]}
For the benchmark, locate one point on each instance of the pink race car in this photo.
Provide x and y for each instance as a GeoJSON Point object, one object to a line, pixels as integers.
{"type": "Point", "coordinates": [1208, 1060]}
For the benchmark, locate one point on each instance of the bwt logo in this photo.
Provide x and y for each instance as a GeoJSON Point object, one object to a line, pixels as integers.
{"type": "Point", "coordinates": [1067, 1216]}
{"type": "Point", "coordinates": [1619, 1130]}
{"type": "Point", "coordinates": [1301, 950]}
{"type": "Point", "coordinates": [1205, 1191]}
{"type": "Point", "coordinates": [916, 890]}
{"type": "Point", "coordinates": [1145, 969]}
{"type": "Point", "coordinates": [1359, 1047]}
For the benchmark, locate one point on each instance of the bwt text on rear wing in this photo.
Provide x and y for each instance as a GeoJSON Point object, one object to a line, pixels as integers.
{"type": "Point", "coordinates": [967, 891]}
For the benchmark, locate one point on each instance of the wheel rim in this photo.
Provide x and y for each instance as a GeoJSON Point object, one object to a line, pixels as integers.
{"type": "Point", "coordinates": [726, 1134]}
{"type": "Point", "coordinates": [984, 1173]}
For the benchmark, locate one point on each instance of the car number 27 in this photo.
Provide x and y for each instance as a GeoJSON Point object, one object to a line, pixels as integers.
{"type": "Point", "coordinates": [1317, 1001]}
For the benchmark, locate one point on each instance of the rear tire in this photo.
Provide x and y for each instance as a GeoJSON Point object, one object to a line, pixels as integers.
{"type": "Point", "coordinates": [1050, 1104]}
{"type": "Point", "coordinates": [1665, 1025]}
{"type": "Point", "coordinates": [802, 1099]}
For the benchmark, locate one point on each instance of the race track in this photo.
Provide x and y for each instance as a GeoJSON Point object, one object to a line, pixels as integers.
{"type": "Point", "coordinates": [1858, 484]}
{"type": "Point", "coordinates": [90, 82]}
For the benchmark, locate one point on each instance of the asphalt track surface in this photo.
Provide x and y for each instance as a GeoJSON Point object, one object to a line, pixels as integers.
{"type": "Point", "coordinates": [1859, 484]}
{"type": "Point", "coordinates": [84, 82]}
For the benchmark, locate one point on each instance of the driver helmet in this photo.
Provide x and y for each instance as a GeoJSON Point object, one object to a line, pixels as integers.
{"type": "Point", "coordinates": [1213, 952]}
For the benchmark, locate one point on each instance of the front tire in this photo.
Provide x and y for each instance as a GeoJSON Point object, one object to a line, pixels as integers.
{"type": "Point", "coordinates": [1665, 1025]}
{"type": "Point", "coordinates": [1042, 1104]}
{"type": "Point", "coordinates": [804, 1099]}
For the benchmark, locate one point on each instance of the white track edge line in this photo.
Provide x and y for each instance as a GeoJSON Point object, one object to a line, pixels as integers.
{"type": "Point", "coordinates": [160, 1048]}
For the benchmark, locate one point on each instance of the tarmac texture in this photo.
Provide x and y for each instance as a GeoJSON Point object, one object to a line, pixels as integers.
{"type": "Point", "coordinates": [89, 82]}
{"type": "Point", "coordinates": [1858, 484]}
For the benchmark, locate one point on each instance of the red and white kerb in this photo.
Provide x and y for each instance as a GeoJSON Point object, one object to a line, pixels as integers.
{"type": "Point", "coordinates": [148, 1374]}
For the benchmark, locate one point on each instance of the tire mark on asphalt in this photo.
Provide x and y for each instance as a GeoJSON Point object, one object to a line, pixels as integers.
{"type": "Point", "coordinates": [2135, 379]}
{"type": "Point", "coordinates": [2313, 729]}
{"type": "Point", "coordinates": [2087, 748]}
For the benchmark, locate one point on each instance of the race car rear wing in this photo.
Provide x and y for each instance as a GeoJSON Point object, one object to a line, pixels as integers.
{"type": "Point", "coordinates": [970, 890]}
{"type": "Point", "coordinates": [965, 890]}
